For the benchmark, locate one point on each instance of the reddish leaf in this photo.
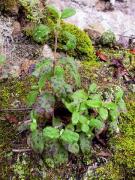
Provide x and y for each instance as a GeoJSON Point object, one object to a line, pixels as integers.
{"type": "Point", "coordinates": [132, 51]}
{"type": "Point", "coordinates": [102, 56]}
{"type": "Point", "coordinates": [11, 119]}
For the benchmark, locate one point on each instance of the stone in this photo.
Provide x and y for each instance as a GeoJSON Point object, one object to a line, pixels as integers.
{"type": "Point", "coordinates": [47, 52]}
{"type": "Point", "coordinates": [16, 29]}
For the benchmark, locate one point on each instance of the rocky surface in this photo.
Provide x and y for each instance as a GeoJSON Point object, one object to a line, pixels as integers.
{"type": "Point", "coordinates": [121, 20]}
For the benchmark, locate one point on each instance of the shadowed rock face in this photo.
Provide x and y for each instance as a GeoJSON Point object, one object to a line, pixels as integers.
{"type": "Point", "coordinates": [121, 20]}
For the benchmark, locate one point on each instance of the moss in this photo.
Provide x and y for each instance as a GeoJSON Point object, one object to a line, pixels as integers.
{"type": "Point", "coordinates": [84, 49]}
{"type": "Point", "coordinates": [108, 172]}
{"type": "Point", "coordinates": [14, 92]}
{"type": "Point", "coordinates": [7, 135]}
{"type": "Point", "coordinates": [123, 161]}
{"type": "Point", "coordinates": [88, 71]}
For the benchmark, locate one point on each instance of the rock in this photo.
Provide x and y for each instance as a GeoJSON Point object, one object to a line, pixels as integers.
{"type": "Point", "coordinates": [16, 29]}
{"type": "Point", "coordinates": [47, 52]}
{"type": "Point", "coordinates": [15, 71]}
{"type": "Point", "coordinates": [120, 20]}
{"type": "Point", "coordinates": [95, 31]}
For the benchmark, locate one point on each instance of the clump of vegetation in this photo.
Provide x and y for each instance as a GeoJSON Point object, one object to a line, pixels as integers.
{"type": "Point", "coordinates": [87, 111]}
{"type": "Point", "coordinates": [108, 38]}
{"type": "Point", "coordinates": [9, 6]}
{"type": "Point", "coordinates": [33, 10]}
{"type": "Point", "coordinates": [122, 163]}
{"type": "Point", "coordinates": [83, 49]}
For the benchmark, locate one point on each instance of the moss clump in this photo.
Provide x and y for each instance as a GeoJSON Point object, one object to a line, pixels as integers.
{"type": "Point", "coordinates": [123, 161]}
{"type": "Point", "coordinates": [84, 49]}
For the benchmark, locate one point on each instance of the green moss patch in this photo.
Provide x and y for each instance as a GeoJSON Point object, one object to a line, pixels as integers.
{"type": "Point", "coordinates": [122, 165]}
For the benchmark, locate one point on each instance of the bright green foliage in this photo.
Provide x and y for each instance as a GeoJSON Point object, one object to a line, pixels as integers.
{"type": "Point", "coordinates": [122, 164]}
{"type": "Point", "coordinates": [68, 12]}
{"type": "Point", "coordinates": [108, 38]}
{"type": "Point", "coordinates": [69, 137]}
{"type": "Point", "coordinates": [51, 133]}
{"type": "Point", "coordinates": [40, 33]}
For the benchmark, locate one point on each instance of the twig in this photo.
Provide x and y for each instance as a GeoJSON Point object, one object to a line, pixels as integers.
{"type": "Point", "coordinates": [15, 109]}
{"type": "Point", "coordinates": [20, 150]}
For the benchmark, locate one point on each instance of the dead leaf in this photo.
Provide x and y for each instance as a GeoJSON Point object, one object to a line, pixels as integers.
{"type": "Point", "coordinates": [11, 119]}
{"type": "Point", "coordinates": [101, 56]}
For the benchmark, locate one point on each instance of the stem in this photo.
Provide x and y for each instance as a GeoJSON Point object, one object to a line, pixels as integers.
{"type": "Point", "coordinates": [55, 50]}
{"type": "Point", "coordinates": [15, 109]}
{"type": "Point", "coordinates": [56, 33]}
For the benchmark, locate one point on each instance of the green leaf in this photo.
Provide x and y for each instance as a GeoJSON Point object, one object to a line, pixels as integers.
{"type": "Point", "coordinates": [68, 12]}
{"type": "Point", "coordinates": [85, 128]}
{"type": "Point", "coordinates": [114, 115]}
{"type": "Point", "coordinates": [94, 103]}
{"type": "Point", "coordinates": [83, 119]}
{"type": "Point", "coordinates": [59, 71]}
{"type": "Point", "coordinates": [69, 136]}
{"type": "Point", "coordinates": [83, 107]}
{"type": "Point", "coordinates": [73, 148]}
{"type": "Point", "coordinates": [92, 88]}
{"type": "Point", "coordinates": [71, 43]}
{"type": "Point", "coordinates": [31, 98]}
{"type": "Point", "coordinates": [70, 106]}
{"type": "Point", "coordinates": [37, 141]}
{"type": "Point", "coordinates": [41, 82]}
{"type": "Point", "coordinates": [119, 93]}
{"type": "Point", "coordinates": [122, 106]}
{"type": "Point", "coordinates": [103, 113]}
{"type": "Point", "coordinates": [51, 132]}
{"type": "Point", "coordinates": [95, 123]}
{"type": "Point", "coordinates": [40, 33]}
{"type": "Point", "coordinates": [110, 105]}
{"type": "Point", "coordinates": [2, 59]}
{"type": "Point", "coordinates": [79, 96]}
{"type": "Point", "coordinates": [54, 11]}
{"type": "Point", "coordinates": [85, 144]}
{"type": "Point", "coordinates": [70, 127]}
{"type": "Point", "coordinates": [75, 118]}
{"type": "Point", "coordinates": [33, 125]}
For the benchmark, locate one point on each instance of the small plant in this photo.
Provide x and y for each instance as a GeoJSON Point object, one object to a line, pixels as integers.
{"type": "Point", "coordinates": [108, 38]}
{"type": "Point", "coordinates": [50, 135]}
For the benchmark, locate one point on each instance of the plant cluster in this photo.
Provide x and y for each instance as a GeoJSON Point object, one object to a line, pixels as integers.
{"type": "Point", "coordinates": [108, 38]}
{"type": "Point", "coordinates": [53, 136]}
{"type": "Point", "coordinates": [32, 10]}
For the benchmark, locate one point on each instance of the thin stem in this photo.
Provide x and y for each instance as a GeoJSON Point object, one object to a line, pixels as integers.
{"type": "Point", "coordinates": [15, 109]}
